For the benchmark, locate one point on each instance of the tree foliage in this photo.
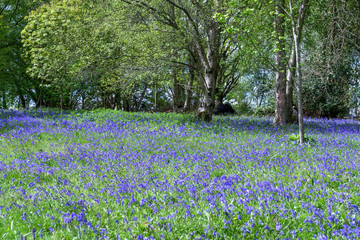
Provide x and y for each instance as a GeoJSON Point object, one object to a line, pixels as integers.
{"type": "Point", "coordinates": [180, 55]}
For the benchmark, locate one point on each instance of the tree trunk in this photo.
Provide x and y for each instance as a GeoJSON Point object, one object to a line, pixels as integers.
{"type": "Point", "coordinates": [22, 100]}
{"type": "Point", "coordinates": [138, 105]}
{"type": "Point", "coordinates": [113, 101]}
{"type": "Point", "coordinates": [206, 109]}
{"type": "Point", "coordinates": [20, 94]}
{"type": "Point", "coordinates": [175, 91]}
{"type": "Point", "coordinates": [261, 100]}
{"type": "Point", "coordinates": [197, 97]}
{"type": "Point", "coordinates": [126, 104]}
{"type": "Point", "coordinates": [188, 93]}
{"type": "Point", "coordinates": [297, 29]}
{"type": "Point", "coordinates": [117, 100]}
{"type": "Point", "coordinates": [4, 104]}
{"type": "Point", "coordinates": [299, 82]}
{"type": "Point", "coordinates": [61, 95]}
{"type": "Point", "coordinates": [210, 65]}
{"type": "Point", "coordinates": [155, 97]}
{"type": "Point", "coordinates": [38, 97]}
{"type": "Point", "coordinates": [219, 99]}
{"type": "Point", "coordinates": [292, 64]}
{"type": "Point", "coordinates": [82, 99]}
{"type": "Point", "coordinates": [290, 81]}
{"type": "Point", "coordinates": [281, 114]}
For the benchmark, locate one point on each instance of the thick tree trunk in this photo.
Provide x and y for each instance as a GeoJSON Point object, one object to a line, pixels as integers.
{"type": "Point", "coordinates": [206, 109]}
{"type": "Point", "coordinates": [210, 64]}
{"type": "Point", "coordinates": [281, 114]}
{"type": "Point", "coordinates": [126, 104]}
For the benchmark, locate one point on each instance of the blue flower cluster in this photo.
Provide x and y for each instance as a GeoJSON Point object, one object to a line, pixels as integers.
{"type": "Point", "coordinates": [114, 175]}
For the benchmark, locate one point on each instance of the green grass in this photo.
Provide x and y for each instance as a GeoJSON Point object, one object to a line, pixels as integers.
{"type": "Point", "coordinates": [135, 174]}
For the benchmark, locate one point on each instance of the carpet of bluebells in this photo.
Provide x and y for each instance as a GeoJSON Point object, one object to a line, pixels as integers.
{"type": "Point", "coordinates": [115, 175]}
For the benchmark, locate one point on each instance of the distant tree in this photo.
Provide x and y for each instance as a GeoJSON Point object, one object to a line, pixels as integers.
{"type": "Point", "coordinates": [195, 22]}
{"type": "Point", "coordinates": [297, 23]}
{"type": "Point", "coordinates": [16, 86]}
{"type": "Point", "coordinates": [331, 58]}
{"type": "Point", "coordinates": [50, 48]}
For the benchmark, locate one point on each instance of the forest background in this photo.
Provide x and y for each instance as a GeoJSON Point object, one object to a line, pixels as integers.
{"type": "Point", "coordinates": [263, 57]}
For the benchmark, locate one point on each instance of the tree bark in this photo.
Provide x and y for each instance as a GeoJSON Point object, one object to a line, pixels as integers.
{"type": "Point", "coordinates": [281, 114]}
{"type": "Point", "coordinates": [61, 95]}
{"type": "Point", "coordinates": [155, 97]}
{"type": "Point", "coordinates": [208, 100]}
{"type": "Point", "coordinates": [197, 97]}
{"type": "Point", "coordinates": [188, 93]}
{"type": "Point", "coordinates": [261, 100]}
{"type": "Point", "coordinates": [219, 99]}
{"type": "Point", "coordinates": [117, 100]}
{"type": "Point", "coordinates": [299, 82]}
{"type": "Point", "coordinates": [138, 105]}
{"type": "Point", "coordinates": [290, 81]}
{"type": "Point", "coordinates": [292, 63]}
{"type": "Point", "coordinates": [175, 91]}
{"type": "Point", "coordinates": [297, 29]}
{"type": "Point", "coordinates": [22, 100]}
{"type": "Point", "coordinates": [4, 104]}
{"type": "Point", "coordinates": [126, 104]}
{"type": "Point", "coordinates": [210, 65]}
